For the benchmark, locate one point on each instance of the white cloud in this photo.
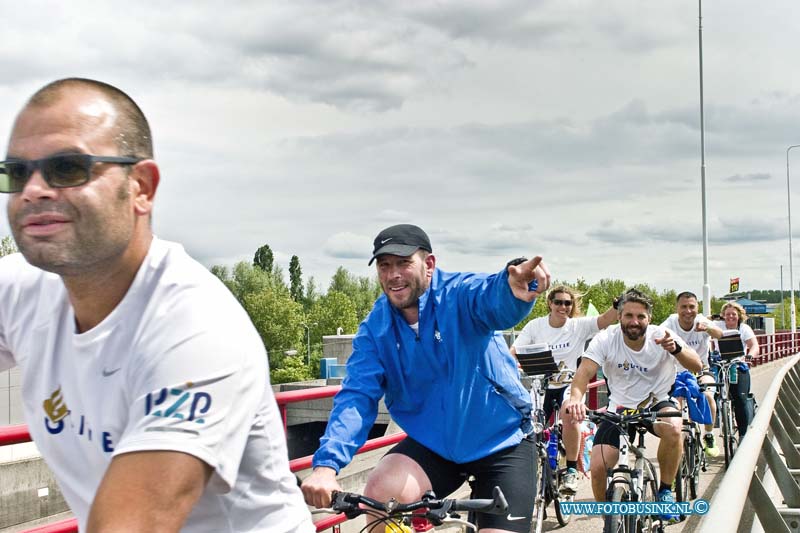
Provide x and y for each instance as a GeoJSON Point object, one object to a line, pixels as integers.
{"type": "Point", "coordinates": [503, 128]}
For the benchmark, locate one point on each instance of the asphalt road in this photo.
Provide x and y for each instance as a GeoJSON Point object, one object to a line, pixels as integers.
{"type": "Point", "coordinates": [761, 379]}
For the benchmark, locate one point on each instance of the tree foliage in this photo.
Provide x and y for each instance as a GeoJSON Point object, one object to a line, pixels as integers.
{"type": "Point", "coordinates": [277, 319]}
{"type": "Point", "coordinates": [264, 258]}
{"type": "Point", "coordinates": [7, 246]}
{"type": "Point", "coordinates": [782, 313]}
{"type": "Point", "coordinates": [362, 291]}
{"type": "Point", "coordinates": [293, 369]}
{"type": "Point", "coordinates": [295, 279]}
{"type": "Point", "coordinates": [771, 296]}
{"type": "Point", "coordinates": [332, 311]}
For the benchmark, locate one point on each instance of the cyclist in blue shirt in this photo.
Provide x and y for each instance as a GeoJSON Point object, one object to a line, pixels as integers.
{"type": "Point", "coordinates": [431, 348]}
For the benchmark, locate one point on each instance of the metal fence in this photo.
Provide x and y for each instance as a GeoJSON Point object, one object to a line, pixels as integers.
{"type": "Point", "coordinates": [760, 472]}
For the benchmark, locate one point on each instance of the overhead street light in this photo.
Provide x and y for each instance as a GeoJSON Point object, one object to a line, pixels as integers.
{"type": "Point", "coordinates": [791, 263]}
{"type": "Point", "coordinates": [308, 340]}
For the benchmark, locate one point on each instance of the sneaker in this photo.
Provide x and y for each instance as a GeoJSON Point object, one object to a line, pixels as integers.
{"type": "Point", "coordinates": [569, 481]}
{"type": "Point", "coordinates": [710, 445]}
{"type": "Point", "coordinates": [665, 496]}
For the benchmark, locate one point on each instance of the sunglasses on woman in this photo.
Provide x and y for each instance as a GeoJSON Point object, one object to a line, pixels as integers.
{"type": "Point", "coordinates": [59, 171]}
{"type": "Point", "coordinates": [565, 303]}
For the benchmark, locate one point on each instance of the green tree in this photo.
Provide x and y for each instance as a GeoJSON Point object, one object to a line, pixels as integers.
{"type": "Point", "coordinates": [295, 279]}
{"type": "Point", "coordinates": [332, 311]}
{"type": "Point", "coordinates": [7, 246]}
{"type": "Point", "coordinates": [277, 319]}
{"type": "Point", "coordinates": [782, 314]}
{"type": "Point", "coordinates": [602, 293]}
{"type": "Point", "coordinates": [362, 291]}
{"type": "Point", "coordinates": [293, 368]}
{"type": "Point", "coordinates": [264, 258]}
{"type": "Point", "coordinates": [312, 294]}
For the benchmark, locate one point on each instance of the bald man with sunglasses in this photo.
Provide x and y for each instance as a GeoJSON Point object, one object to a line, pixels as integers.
{"type": "Point", "coordinates": [145, 386]}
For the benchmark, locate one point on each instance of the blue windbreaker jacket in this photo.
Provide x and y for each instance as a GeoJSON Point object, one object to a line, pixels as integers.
{"type": "Point", "coordinates": [454, 388]}
{"type": "Point", "coordinates": [686, 386]}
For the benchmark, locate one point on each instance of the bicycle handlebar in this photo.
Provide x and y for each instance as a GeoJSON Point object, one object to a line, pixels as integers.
{"type": "Point", "coordinates": [437, 510]}
{"type": "Point", "coordinates": [625, 419]}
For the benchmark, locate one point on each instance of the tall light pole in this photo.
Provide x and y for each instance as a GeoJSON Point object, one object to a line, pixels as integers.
{"type": "Point", "coordinates": [783, 304]}
{"type": "Point", "coordinates": [791, 263]}
{"type": "Point", "coordinates": [308, 340]}
{"type": "Point", "coordinates": [706, 286]}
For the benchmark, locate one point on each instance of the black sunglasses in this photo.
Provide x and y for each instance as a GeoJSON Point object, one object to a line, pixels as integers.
{"type": "Point", "coordinates": [566, 303]}
{"type": "Point", "coordinates": [59, 171]}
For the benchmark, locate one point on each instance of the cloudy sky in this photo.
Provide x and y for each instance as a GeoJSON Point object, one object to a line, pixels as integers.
{"type": "Point", "coordinates": [565, 128]}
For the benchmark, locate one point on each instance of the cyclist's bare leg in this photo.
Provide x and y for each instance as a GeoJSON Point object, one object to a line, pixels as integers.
{"type": "Point", "coordinates": [603, 458]}
{"type": "Point", "coordinates": [397, 476]}
{"type": "Point", "coordinates": [709, 394]}
{"type": "Point", "coordinates": [570, 434]}
{"type": "Point", "coordinates": [670, 445]}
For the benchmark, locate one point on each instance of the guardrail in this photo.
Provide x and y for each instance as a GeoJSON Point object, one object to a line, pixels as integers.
{"type": "Point", "coordinates": [757, 463]}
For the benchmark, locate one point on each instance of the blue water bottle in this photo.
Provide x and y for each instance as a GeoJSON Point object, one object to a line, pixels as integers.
{"type": "Point", "coordinates": [552, 449]}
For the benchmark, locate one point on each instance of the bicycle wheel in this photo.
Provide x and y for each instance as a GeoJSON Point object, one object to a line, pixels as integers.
{"type": "Point", "coordinates": [540, 503]}
{"type": "Point", "coordinates": [682, 478]}
{"type": "Point", "coordinates": [615, 523]}
{"type": "Point", "coordinates": [649, 494]}
{"type": "Point", "coordinates": [699, 461]}
{"type": "Point", "coordinates": [563, 519]}
{"type": "Point", "coordinates": [728, 433]}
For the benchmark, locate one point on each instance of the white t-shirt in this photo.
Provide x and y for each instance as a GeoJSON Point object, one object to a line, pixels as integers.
{"type": "Point", "coordinates": [697, 340]}
{"type": "Point", "coordinates": [176, 366]}
{"type": "Point", "coordinates": [635, 379]}
{"type": "Point", "coordinates": [566, 342]}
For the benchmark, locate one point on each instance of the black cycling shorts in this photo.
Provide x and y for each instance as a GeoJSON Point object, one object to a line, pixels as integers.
{"type": "Point", "coordinates": [512, 469]}
{"type": "Point", "coordinates": [608, 433]}
{"type": "Point", "coordinates": [551, 396]}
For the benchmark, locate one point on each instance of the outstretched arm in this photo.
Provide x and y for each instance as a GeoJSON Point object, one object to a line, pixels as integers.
{"type": "Point", "coordinates": [685, 355]}
{"type": "Point", "coordinates": [709, 327]}
{"type": "Point", "coordinates": [609, 317]}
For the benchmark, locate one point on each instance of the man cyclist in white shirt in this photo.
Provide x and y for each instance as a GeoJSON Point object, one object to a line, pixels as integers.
{"type": "Point", "coordinates": [145, 385]}
{"type": "Point", "coordinates": [638, 362]}
{"type": "Point", "coordinates": [566, 332]}
{"type": "Point", "coordinates": [696, 331]}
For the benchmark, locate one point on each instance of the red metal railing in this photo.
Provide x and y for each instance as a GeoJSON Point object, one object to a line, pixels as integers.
{"type": "Point", "coordinates": [772, 347]}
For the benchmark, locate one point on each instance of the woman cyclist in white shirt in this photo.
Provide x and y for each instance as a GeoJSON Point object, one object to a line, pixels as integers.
{"type": "Point", "coordinates": [735, 316]}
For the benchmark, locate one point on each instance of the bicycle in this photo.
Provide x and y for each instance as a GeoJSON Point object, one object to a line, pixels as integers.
{"type": "Point", "coordinates": [429, 512]}
{"type": "Point", "coordinates": [728, 371]}
{"type": "Point", "coordinates": [693, 460]}
{"type": "Point", "coordinates": [731, 354]}
{"type": "Point", "coordinates": [625, 484]}
{"type": "Point", "coordinates": [550, 460]}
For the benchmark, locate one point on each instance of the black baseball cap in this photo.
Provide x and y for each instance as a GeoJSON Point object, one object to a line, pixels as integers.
{"type": "Point", "coordinates": [402, 240]}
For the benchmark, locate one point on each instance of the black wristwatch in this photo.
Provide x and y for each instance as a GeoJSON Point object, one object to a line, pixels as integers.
{"type": "Point", "coordinates": [516, 261]}
{"type": "Point", "coordinates": [677, 349]}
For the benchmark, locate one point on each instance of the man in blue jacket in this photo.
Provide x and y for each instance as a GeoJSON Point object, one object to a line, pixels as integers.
{"type": "Point", "coordinates": [430, 345]}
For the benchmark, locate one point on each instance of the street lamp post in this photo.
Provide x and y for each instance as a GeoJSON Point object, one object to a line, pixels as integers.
{"type": "Point", "coordinates": [792, 316]}
{"type": "Point", "coordinates": [706, 285]}
{"type": "Point", "coordinates": [308, 340]}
